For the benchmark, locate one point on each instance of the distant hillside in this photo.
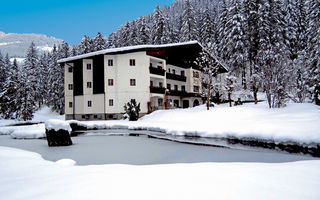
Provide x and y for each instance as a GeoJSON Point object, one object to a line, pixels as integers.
{"type": "Point", "coordinates": [16, 45]}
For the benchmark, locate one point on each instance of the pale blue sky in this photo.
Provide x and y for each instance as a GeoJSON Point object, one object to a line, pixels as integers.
{"type": "Point", "coordinates": [71, 19]}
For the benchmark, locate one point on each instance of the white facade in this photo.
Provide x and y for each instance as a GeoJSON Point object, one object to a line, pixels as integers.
{"type": "Point", "coordinates": [119, 88]}
{"type": "Point", "coordinates": [123, 74]}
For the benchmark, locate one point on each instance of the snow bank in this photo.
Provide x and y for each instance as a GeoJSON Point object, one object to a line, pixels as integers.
{"type": "Point", "coordinates": [55, 124]}
{"type": "Point", "coordinates": [51, 180]}
{"type": "Point", "coordinates": [296, 123]}
{"type": "Point", "coordinates": [41, 115]}
{"type": "Point", "coordinates": [24, 132]}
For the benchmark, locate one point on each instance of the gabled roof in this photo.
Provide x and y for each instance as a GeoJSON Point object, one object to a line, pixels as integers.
{"type": "Point", "coordinates": [136, 48]}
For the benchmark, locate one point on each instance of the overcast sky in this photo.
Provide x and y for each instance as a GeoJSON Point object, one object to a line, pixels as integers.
{"type": "Point", "coordinates": [71, 19]}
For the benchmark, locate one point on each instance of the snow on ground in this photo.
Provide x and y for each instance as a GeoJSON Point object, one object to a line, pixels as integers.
{"type": "Point", "coordinates": [295, 123]}
{"type": "Point", "coordinates": [63, 180]}
{"type": "Point", "coordinates": [41, 115]}
{"type": "Point", "coordinates": [30, 131]}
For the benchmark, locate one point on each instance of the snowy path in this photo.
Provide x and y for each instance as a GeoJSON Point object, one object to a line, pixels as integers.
{"type": "Point", "coordinates": [25, 175]}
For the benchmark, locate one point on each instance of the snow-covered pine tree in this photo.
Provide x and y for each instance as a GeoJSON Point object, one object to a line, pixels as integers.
{"type": "Point", "coordinates": [99, 42]}
{"type": "Point", "coordinates": [133, 33]}
{"type": "Point", "coordinates": [124, 35]}
{"type": "Point", "coordinates": [252, 42]}
{"type": "Point", "coordinates": [44, 78]}
{"type": "Point", "coordinates": [158, 26]}
{"type": "Point", "coordinates": [29, 84]}
{"type": "Point", "coordinates": [64, 50]}
{"type": "Point", "coordinates": [236, 41]}
{"type": "Point", "coordinates": [188, 30]}
{"type": "Point", "coordinates": [85, 46]}
{"type": "Point", "coordinates": [112, 41]}
{"type": "Point", "coordinates": [10, 106]}
{"type": "Point", "coordinates": [74, 51]}
{"type": "Point", "coordinates": [143, 31]}
{"type": "Point", "coordinates": [206, 28]}
{"type": "Point", "coordinates": [313, 50]}
{"type": "Point", "coordinates": [221, 27]}
{"type": "Point", "coordinates": [56, 83]}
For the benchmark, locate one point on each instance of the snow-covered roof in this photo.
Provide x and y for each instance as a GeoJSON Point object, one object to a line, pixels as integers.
{"type": "Point", "coordinates": [135, 48]}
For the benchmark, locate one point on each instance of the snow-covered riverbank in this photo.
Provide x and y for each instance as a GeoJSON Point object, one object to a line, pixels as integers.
{"type": "Point", "coordinates": [297, 123]}
{"type": "Point", "coordinates": [25, 175]}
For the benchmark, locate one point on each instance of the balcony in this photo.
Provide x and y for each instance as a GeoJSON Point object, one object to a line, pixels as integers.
{"type": "Point", "coordinates": [176, 77]}
{"type": "Point", "coordinates": [157, 71]}
{"type": "Point", "coordinates": [158, 90]}
{"type": "Point", "coordinates": [178, 93]}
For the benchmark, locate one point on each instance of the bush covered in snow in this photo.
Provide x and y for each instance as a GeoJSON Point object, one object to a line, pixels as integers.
{"type": "Point", "coordinates": [132, 110]}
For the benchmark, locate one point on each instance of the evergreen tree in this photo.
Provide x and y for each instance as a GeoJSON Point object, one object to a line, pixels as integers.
{"type": "Point", "coordinates": [64, 50]}
{"type": "Point", "coordinates": [206, 28]}
{"type": "Point", "coordinates": [56, 83]}
{"type": "Point", "coordinates": [99, 42]}
{"type": "Point", "coordinates": [188, 29]}
{"type": "Point", "coordinates": [236, 41]}
{"type": "Point", "coordinates": [29, 84]}
{"type": "Point", "coordinates": [10, 106]}
{"type": "Point", "coordinates": [124, 35]}
{"type": "Point", "coordinates": [143, 31]}
{"type": "Point", "coordinates": [85, 46]}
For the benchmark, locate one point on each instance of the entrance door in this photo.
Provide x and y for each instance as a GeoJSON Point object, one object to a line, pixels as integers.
{"type": "Point", "coordinates": [185, 103]}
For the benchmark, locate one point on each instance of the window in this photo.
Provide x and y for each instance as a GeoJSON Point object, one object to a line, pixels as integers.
{"type": "Point", "coordinates": [182, 73]}
{"type": "Point", "coordinates": [89, 84]}
{"type": "Point", "coordinates": [83, 116]}
{"type": "Point", "coordinates": [70, 87]}
{"type": "Point", "coordinates": [70, 69]}
{"type": "Point", "coordinates": [110, 62]}
{"type": "Point", "coordinates": [110, 102]}
{"type": "Point", "coordinates": [195, 74]}
{"type": "Point", "coordinates": [168, 86]}
{"type": "Point", "coordinates": [70, 104]}
{"type": "Point", "coordinates": [151, 83]}
{"type": "Point", "coordinates": [132, 62]}
{"type": "Point", "coordinates": [132, 82]}
{"type": "Point", "coordinates": [174, 71]}
{"type": "Point", "coordinates": [169, 70]}
{"type": "Point", "coordinates": [89, 103]}
{"type": "Point", "coordinates": [160, 84]}
{"type": "Point", "coordinates": [110, 82]}
{"type": "Point", "coordinates": [95, 116]}
{"type": "Point", "coordinates": [160, 102]}
{"type": "Point", "coordinates": [183, 88]}
{"type": "Point", "coordinates": [88, 66]}
{"type": "Point", "coordinates": [196, 88]}
{"type": "Point", "coordinates": [175, 87]}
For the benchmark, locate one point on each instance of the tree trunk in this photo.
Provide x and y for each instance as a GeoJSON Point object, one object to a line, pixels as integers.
{"type": "Point", "coordinates": [229, 98]}
{"type": "Point", "coordinates": [255, 95]}
{"type": "Point", "coordinates": [209, 93]}
{"type": "Point", "coordinates": [208, 99]}
{"type": "Point", "coordinates": [269, 99]}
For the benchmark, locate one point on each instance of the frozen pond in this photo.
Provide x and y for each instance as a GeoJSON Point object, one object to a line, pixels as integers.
{"type": "Point", "coordinates": [88, 150]}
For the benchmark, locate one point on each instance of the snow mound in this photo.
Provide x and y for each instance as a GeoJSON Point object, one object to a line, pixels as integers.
{"type": "Point", "coordinates": [66, 162]}
{"type": "Point", "coordinates": [55, 124]}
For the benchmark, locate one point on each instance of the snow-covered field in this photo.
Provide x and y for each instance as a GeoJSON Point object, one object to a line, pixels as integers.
{"type": "Point", "coordinates": [25, 175]}
{"type": "Point", "coordinates": [296, 123]}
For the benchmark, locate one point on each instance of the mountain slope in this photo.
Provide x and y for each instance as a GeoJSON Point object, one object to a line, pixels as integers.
{"type": "Point", "coordinates": [16, 45]}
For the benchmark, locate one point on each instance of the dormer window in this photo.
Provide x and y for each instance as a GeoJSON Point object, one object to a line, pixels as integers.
{"type": "Point", "coordinates": [70, 70]}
